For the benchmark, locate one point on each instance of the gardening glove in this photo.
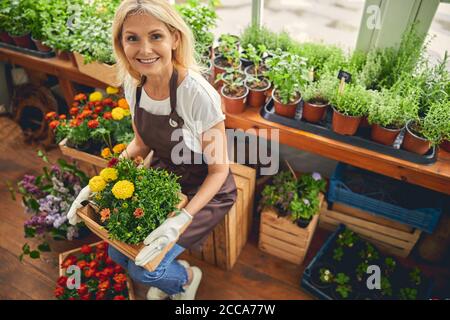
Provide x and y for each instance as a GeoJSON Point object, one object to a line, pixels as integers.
{"type": "Point", "coordinates": [161, 237]}
{"type": "Point", "coordinates": [77, 203]}
{"type": "Point", "coordinates": [148, 159]}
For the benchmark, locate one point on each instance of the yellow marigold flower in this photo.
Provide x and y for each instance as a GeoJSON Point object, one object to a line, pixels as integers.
{"type": "Point", "coordinates": [126, 112]}
{"type": "Point", "coordinates": [112, 90]}
{"type": "Point", "coordinates": [106, 153]}
{"type": "Point", "coordinates": [97, 184]}
{"type": "Point", "coordinates": [95, 96]}
{"type": "Point", "coordinates": [122, 103]}
{"type": "Point", "coordinates": [118, 113]}
{"type": "Point", "coordinates": [109, 174]}
{"type": "Point", "coordinates": [118, 148]}
{"type": "Point", "coordinates": [123, 189]}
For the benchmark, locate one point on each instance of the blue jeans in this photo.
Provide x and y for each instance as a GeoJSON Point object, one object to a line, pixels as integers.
{"type": "Point", "coordinates": [169, 276]}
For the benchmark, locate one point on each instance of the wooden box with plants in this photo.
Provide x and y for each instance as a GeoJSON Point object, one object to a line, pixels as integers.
{"type": "Point", "coordinates": [388, 236]}
{"type": "Point", "coordinates": [289, 215]}
{"type": "Point", "coordinates": [128, 202]}
{"type": "Point", "coordinates": [340, 271]}
{"type": "Point", "coordinates": [101, 277]}
{"type": "Point", "coordinates": [225, 243]}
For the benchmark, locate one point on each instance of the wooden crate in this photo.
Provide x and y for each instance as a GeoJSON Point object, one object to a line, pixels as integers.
{"type": "Point", "coordinates": [91, 219]}
{"type": "Point", "coordinates": [388, 238]}
{"type": "Point", "coordinates": [280, 237]}
{"type": "Point", "coordinates": [99, 71]}
{"type": "Point", "coordinates": [75, 252]}
{"type": "Point", "coordinates": [225, 243]}
{"type": "Point", "coordinates": [82, 156]}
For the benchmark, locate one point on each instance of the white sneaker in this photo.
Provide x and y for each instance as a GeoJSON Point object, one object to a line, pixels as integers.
{"type": "Point", "coordinates": [155, 293]}
{"type": "Point", "coordinates": [190, 292]}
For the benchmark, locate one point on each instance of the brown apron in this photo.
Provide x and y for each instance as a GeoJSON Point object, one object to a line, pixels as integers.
{"type": "Point", "coordinates": [156, 131]}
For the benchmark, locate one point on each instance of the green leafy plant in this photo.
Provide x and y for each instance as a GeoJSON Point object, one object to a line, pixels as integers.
{"type": "Point", "coordinates": [386, 287]}
{"type": "Point", "coordinates": [255, 35]}
{"type": "Point", "coordinates": [361, 270]}
{"type": "Point", "coordinates": [233, 80]}
{"type": "Point", "coordinates": [408, 294]}
{"type": "Point", "coordinates": [326, 276]}
{"type": "Point", "coordinates": [21, 15]}
{"type": "Point", "coordinates": [257, 82]}
{"type": "Point", "coordinates": [255, 55]}
{"type": "Point", "coordinates": [288, 73]}
{"type": "Point", "coordinates": [415, 276]}
{"type": "Point", "coordinates": [321, 91]}
{"type": "Point", "coordinates": [347, 238]}
{"type": "Point", "coordinates": [436, 124]}
{"type": "Point", "coordinates": [343, 286]}
{"type": "Point", "coordinates": [338, 253]}
{"type": "Point", "coordinates": [228, 48]}
{"type": "Point", "coordinates": [390, 264]}
{"type": "Point", "coordinates": [369, 253]}
{"type": "Point", "coordinates": [133, 200]}
{"type": "Point", "coordinates": [5, 15]}
{"type": "Point", "coordinates": [354, 101]}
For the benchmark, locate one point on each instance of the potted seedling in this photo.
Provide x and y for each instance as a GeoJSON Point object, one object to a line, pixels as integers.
{"type": "Point", "coordinates": [390, 265]}
{"type": "Point", "coordinates": [385, 291]}
{"type": "Point", "coordinates": [288, 73]}
{"type": "Point", "coordinates": [348, 109]}
{"type": "Point", "coordinates": [415, 276]}
{"type": "Point", "coordinates": [369, 254]}
{"type": "Point", "coordinates": [361, 271]}
{"type": "Point", "coordinates": [234, 91]}
{"type": "Point", "coordinates": [324, 278]}
{"type": "Point", "coordinates": [338, 253]}
{"type": "Point", "coordinates": [22, 16]}
{"type": "Point", "coordinates": [256, 82]}
{"type": "Point", "coordinates": [388, 114]}
{"type": "Point", "coordinates": [347, 238]}
{"type": "Point", "coordinates": [343, 288]}
{"type": "Point", "coordinates": [230, 38]}
{"type": "Point", "coordinates": [408, 294]}
{"type": "Point", "coordinates": [228, 56]}
{"type": "Point", "coordinates": [316, 97]}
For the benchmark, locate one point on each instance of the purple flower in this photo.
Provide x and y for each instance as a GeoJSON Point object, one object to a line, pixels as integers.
{"type": "Point", "coordinates": [28, 183]}
{"type": "Point", "coordinates": [306, 201]}
{"type": "Point", "coordinates": [56, 169]}
{"type": "Point", "coordinates": [316, 176]}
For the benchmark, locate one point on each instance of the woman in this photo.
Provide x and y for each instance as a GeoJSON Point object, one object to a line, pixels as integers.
{"type": "Point", "coordinates": [168, 98]}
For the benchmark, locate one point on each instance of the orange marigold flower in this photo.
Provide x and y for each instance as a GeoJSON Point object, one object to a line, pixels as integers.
{"type": "Point", "coordinates": [106, 153]}
{"type": "Point", "coordinates": [62, 117]}
{"type": "Point", "coordinates": [122, 103]}
{"type": "Point", "coordinates": [75, 104]}
{"type": "Point", "coordinates": [73, 111]}
{"type": "Point", "coordinates": [53, 124]}
{"type": "Point", "coordinates": [107, 115]}
{"type": "Point", "coordinates": [105, 213]}
{"type": "Point", "coordinates": [138, 213]}
{"type": "Point", "coordinates": [120, 278]}
{"type": "Point", "coordinates": [80, 97]}
{"type": "Point", "coordinates": [75, 122]}
{"type": "Point", "coordinates": [50, 115]}
{"type": "Point", "coordinates": [98, 109]}
{"type": "Point", "coordinates": [93, 124]}
{"type": "Point", "coordinates": [104, 285]}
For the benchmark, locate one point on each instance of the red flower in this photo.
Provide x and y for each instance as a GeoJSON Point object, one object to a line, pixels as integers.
{"type": "Point", "coordinates": [53, 124]}
{"type": "Point", "coordinates": [104, 285]}
{"type": "Point", "coordinates": [75, 122]}
{"type": "Point", "coordinates": [50, 115]}
{"type": "Point", "coordinates": [62, 117]}
{"type": "Point", "coordinates": [102, 246]}
{"type": "Point", "coordinates": [120, 297]}
{"type": "Point", "coordinates": [73, 111]}
{"type": "Point", "coordinates": [59, 291]}
{"type": "Point", "coordinates": [82, 264]}
{"type": "Point", "coordinates": [118, 269]}
{"type": "Point", "coordinates": [72, 298]}
{"type": "Point", "coordinates": [98, 109]}
{"type": "Point", "coordinates": [108, 271]}
{"type": "Point", "coordinates": [107, 101]}
{"type": "Point", "coordinates": [112, 162]}
{"type": "Point", "coordinates": [118, 287]}
{"type": "Point", "coordinates": [93, 264]}
{"type": "Point", "coordinates": [138, 213]}
{"type": "Point", "coordinates": [94, 116]}
{"type": "Point", "coordinates": [120, 278]}
{"type": "Point", "coordinates": [100, 295]}
{"type": "Point", "coordinates": [86, 296]}
{"type": "Point", "coordinates": [80, 97]}
{"type": "Point", "coordinates": [75, 104]}
{"type": "Point", "coordinates": [107, 116]}
{"type": "Point", "coordinates": [93, 124]}
{"type": "Point", "coordinates": [101, 255]}
{"type": "Point", "coordinates": [85, 249]}
{"type": "Point", "coordinates": [114, 104]}
{"type": "Point", "coordinates": [83, 289]}
{"type": "Point", "coordinates": [88, 273]}
{"type": "Point", "coordinates": [62, 281]}
{"type": "Point", "coordinates": [70, 260]}
{"type": "Point", "coordinates": [110, 261]}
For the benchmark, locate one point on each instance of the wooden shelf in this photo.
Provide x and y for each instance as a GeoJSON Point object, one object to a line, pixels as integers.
{"type": "Point", "coordinates": [435, 176]}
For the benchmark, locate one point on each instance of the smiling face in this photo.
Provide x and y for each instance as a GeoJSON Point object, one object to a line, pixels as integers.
{"type": "Point", "coordinates": [148, 45]}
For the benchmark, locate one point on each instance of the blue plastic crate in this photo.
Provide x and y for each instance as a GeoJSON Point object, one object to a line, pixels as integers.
{"type": "Point", "coordinates": [308, 286]}
{"type": "Point", "coordinates": [394, 199]}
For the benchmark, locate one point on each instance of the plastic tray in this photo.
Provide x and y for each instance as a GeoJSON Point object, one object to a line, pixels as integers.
{"type": "Point", "coordinates": [35, 53]}
{"type": "Point", "coordinates": [360, 139]}
{"type": "Point", "coordinates": [394, 199]}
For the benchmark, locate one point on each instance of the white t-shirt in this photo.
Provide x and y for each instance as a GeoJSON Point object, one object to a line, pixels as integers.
{"type": "Point", "coordinates": [198, 103]}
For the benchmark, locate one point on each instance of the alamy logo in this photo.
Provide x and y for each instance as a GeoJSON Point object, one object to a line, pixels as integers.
{"type": "Point", "coordinates": [374, 280]}
{"type": "Point", "coordinates": [74, 280]}
{"type": "Point", "coordinates": [374, 18]}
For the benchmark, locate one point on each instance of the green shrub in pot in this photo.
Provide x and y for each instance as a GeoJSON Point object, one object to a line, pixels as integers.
{"type": "Point", "coordinates": [436, 124]}
{"type": "Point", "coordinates": [22, 16]}
{"type": "Point", "coordinates": [321, 91]}
{"type": "Point", "coordinates": [354, 101]}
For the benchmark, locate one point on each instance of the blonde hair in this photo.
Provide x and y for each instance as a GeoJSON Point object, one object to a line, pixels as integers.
{"type": "Point", "coordinates": [183, 56]}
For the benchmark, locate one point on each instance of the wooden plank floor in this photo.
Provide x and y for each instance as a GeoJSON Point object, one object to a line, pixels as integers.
{"type": "Point", "coordinates": [256, 275]}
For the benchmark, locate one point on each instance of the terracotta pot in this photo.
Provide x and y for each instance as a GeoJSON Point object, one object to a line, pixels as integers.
{"type": "Point", "coordinates": [4, 37]}
{"type": "Point", "coordinates": [384, 135]}
{"type": "Point", "coordinates": [257, 97]}
{"type": "Point", "coordinates": [445, 145]}
{"type": "Point", "coordinates": [285, 110]}
{"type": "Point", "coordinates": [23, 41]}
{"type": "Point", "coordinates": [234, 105]}
{"type": "Point", "coordinates": [346, 125]}
{"type": "Point", "coordinates": [218, 70]}
{"type": "Point", "coordinates": [248, 68]}
{"type": "Point", "coordinates": [40, 46]}
{"type": "Point", "coordinates": [414, 143]}
{"type": "Point", "coordinates": [313, 112]}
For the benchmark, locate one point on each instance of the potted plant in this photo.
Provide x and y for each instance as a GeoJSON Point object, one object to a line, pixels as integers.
{"type": "Point", "coordinates": [408, 294]}
{"type": "Point", "coordinates": [316, 97]}
{"type": "Point", "coordinates": [228, 55]}
{"type": "Point", "coordinates": [414, 139]}
{"type": "Point", "coordinates": [338, 253]}
{"type": "Point", "coordinates": [288, 73]}
{"type": "Point", "coordinates": [255, 57]}
{"type": "Point", "coordinates": [361, 271]}
{"type": "Point", "coordinates": [388, 114]}
{"type": "Point", "coordinates": [257, 87]}
{"type": "Point", "coordinates": [233, 90]}
{"type": "Point", "coordinates": [347, 239]}
{"type": "Point", "coordinates": [37, 35]}
{"type": "Point", "coordinates": [415, 276]}
{"type": "Point", "coordinates": [369, 253]}
{"type": "Point", "coordinates": [437, 123]}
{"type": "Point", "coordinates": [348, 109]}
{"type": "Point", "coordinates": [5, 22]}
{"type": "Point", "coordinates": [21, 15]}
{"type": "Point", "coordinates": [47, 198]}
{"type": "Point", "coordinates": [390, 265]}
{"type": "Point", "coordinates": [343, 289]}
{"type": "Point", "coordinates": [326, 277]}
{"type": "Point", "coordinates": [101, 278]}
